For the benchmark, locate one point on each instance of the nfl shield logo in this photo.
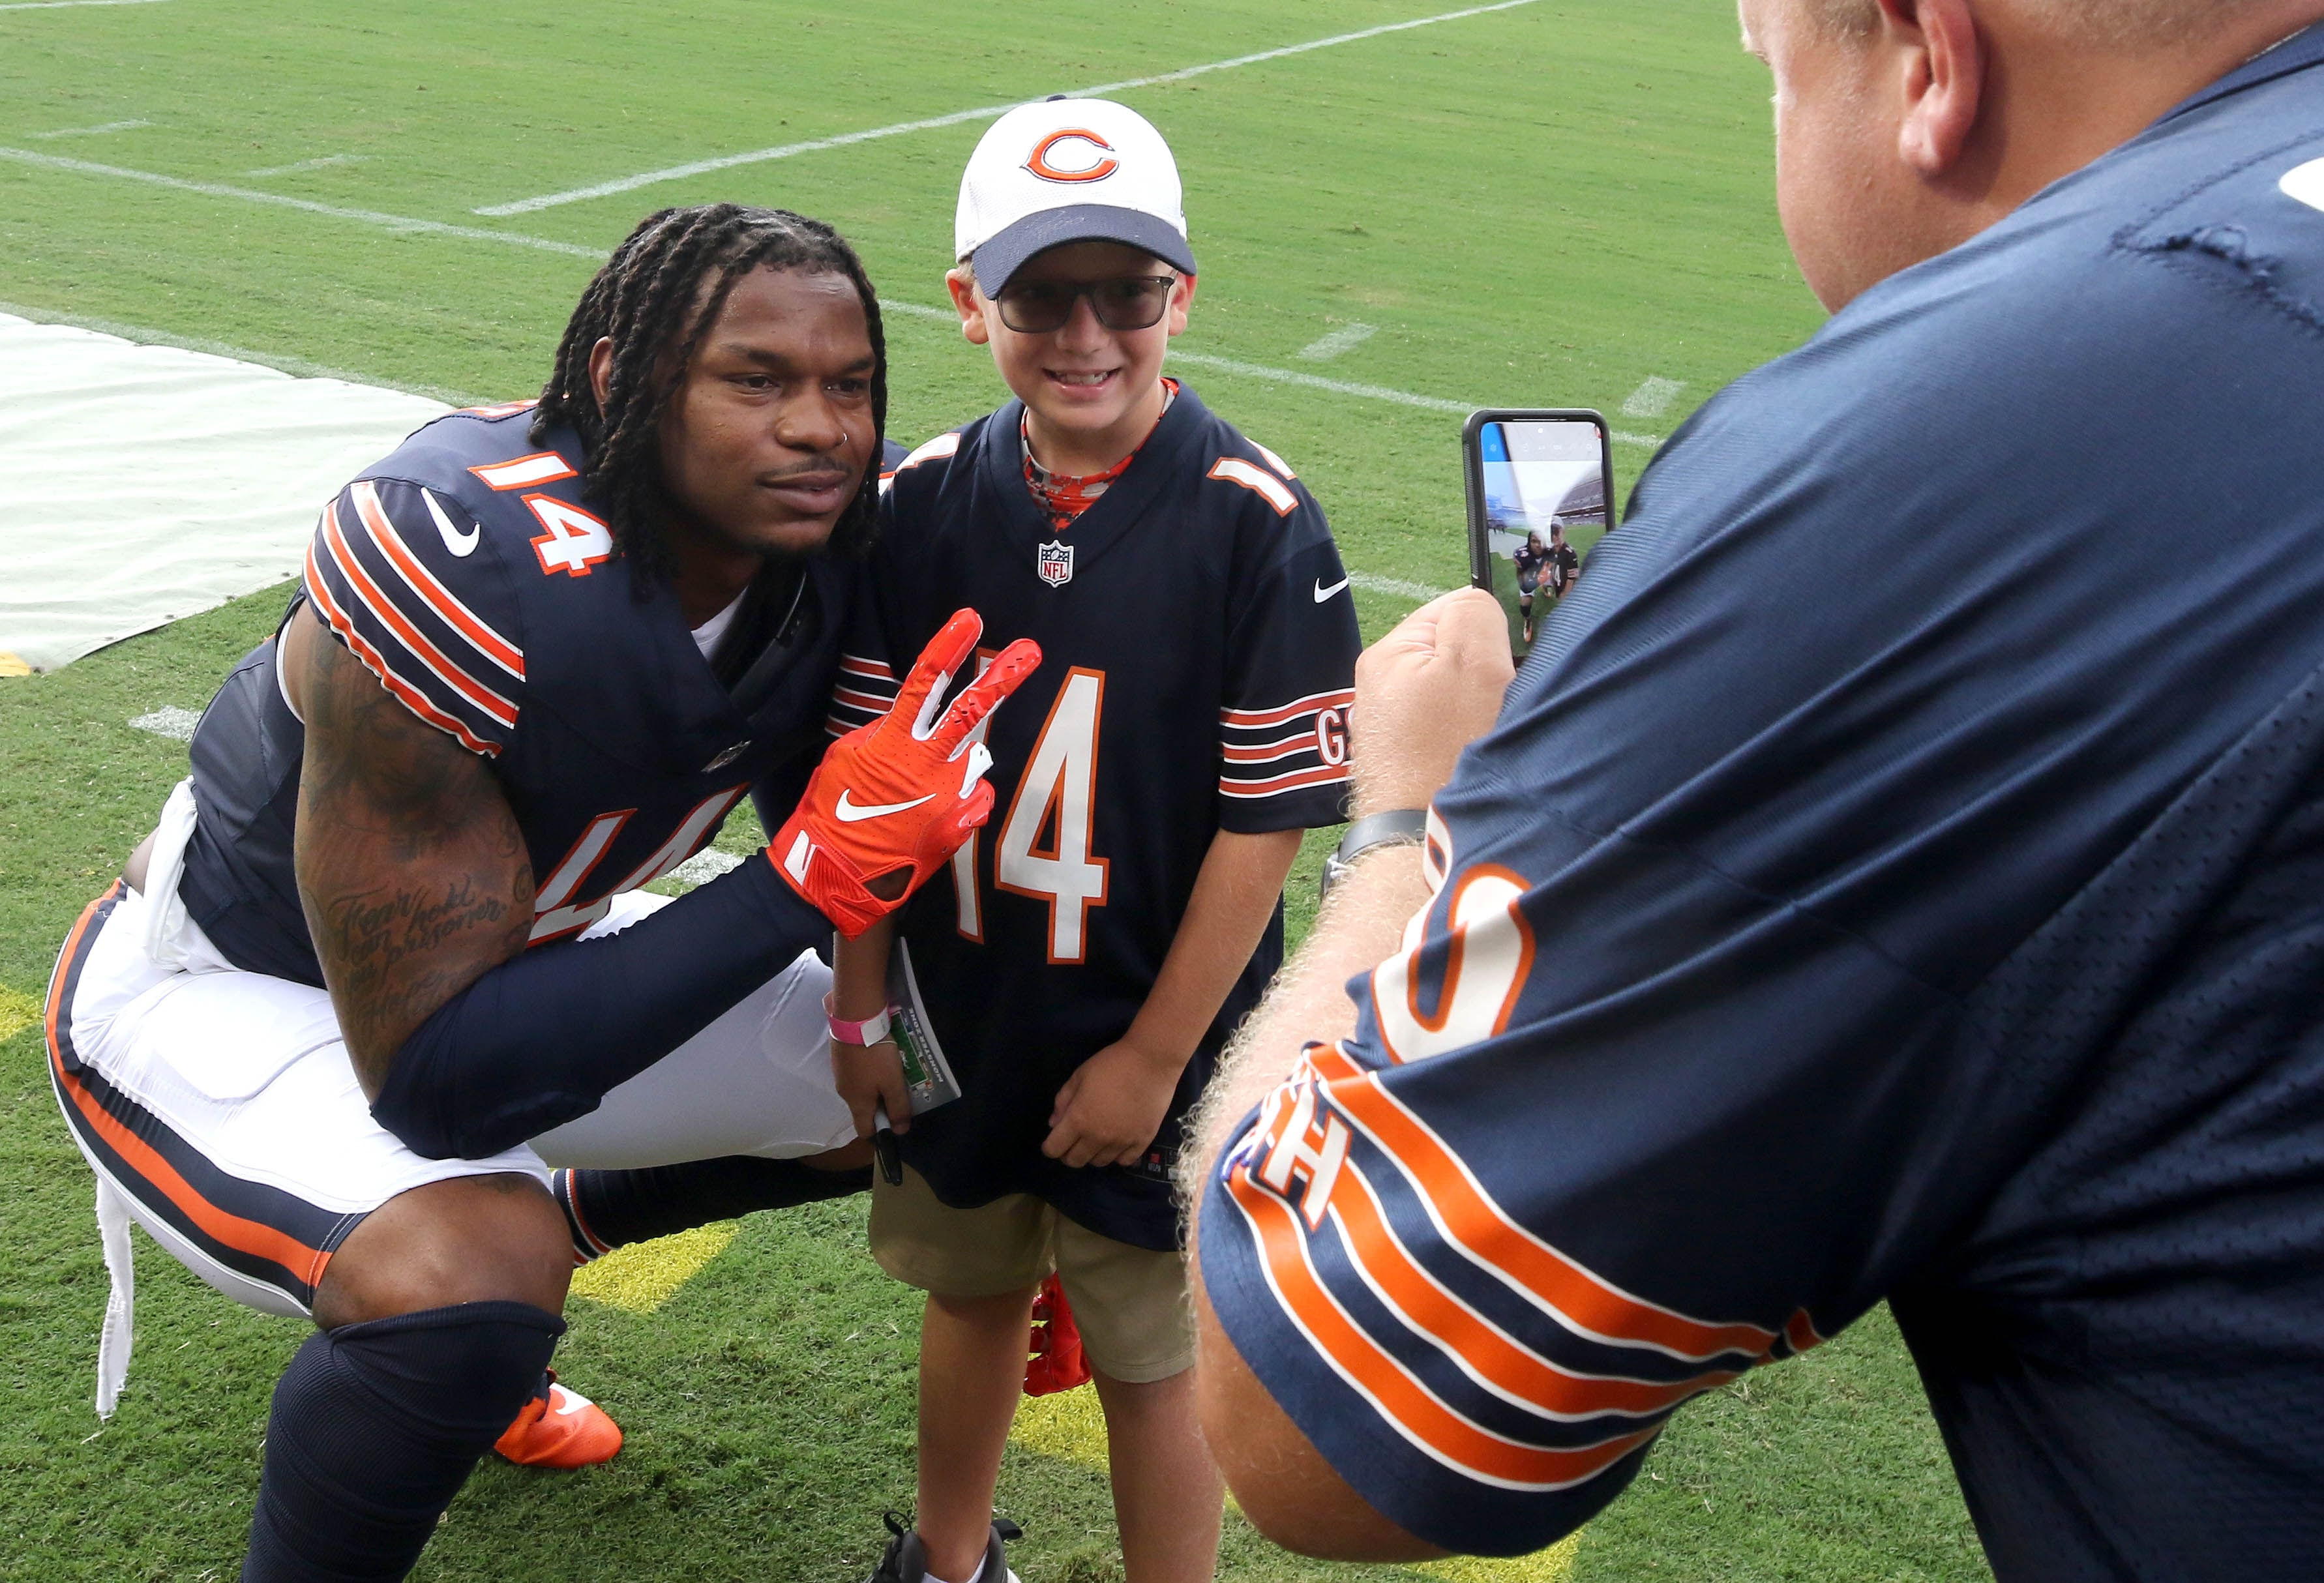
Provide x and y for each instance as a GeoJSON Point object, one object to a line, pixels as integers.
{"type": "Point", "coordinates": [1057, 563]}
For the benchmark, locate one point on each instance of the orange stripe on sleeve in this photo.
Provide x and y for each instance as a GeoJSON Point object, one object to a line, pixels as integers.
{"type": "Point", "coordinates": [1490, 1238]}
{"type": "Point", "coordinates": [377, 601]}
{"type": "Point", "coordinates": [440, 599]}
{"type": "Point", "coordinates": [1407, 1406]}
{"type": "Point", "coordinates": [1251, 719]}
{"type": "Point", "coordinates": [409, 696]}
{"type": "Point", "coordinates": [1485, 1351]}
{"type": "Point", "coordinates": [1282, 783]}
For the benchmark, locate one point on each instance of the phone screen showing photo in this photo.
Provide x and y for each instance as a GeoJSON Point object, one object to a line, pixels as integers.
{"type": "Point", "coordinates": [1545, 506]}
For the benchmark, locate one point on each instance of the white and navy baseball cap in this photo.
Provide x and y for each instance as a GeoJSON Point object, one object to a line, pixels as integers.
{"type": "Point", "coordinates": [1068, 171]}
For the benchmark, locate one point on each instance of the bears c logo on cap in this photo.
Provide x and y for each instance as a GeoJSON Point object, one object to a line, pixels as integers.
{"type": "Point", "coordinates": [1103, 166]}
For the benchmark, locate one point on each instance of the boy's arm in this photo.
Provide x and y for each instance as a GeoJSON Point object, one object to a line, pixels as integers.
{"type": "Point", "coordinates": [1110, 1110]}
{"type": "Point", "coordinates": [867, 1074]}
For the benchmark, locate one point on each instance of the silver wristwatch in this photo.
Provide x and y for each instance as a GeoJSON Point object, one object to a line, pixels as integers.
{"type": "Point", "coordinates": [1396, 827]}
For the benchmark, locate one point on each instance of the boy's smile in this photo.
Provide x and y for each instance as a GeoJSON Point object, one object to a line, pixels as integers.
{"type": "Point", "coordinates": [1091, 393]}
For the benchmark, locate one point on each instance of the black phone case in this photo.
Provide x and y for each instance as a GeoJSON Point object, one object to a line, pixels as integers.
{"type": "Point", "coordinates": [1472, 474]}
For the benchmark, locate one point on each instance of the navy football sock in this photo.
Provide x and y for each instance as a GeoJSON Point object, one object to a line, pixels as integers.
{"type": "Point", "coordinates": [374, 1431]}
{"type": "Point", "coordinates": [604, 1209]}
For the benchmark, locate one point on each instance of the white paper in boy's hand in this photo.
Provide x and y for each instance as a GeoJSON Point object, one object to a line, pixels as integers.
{"type": "Point", "coordinates": [927, 1075]}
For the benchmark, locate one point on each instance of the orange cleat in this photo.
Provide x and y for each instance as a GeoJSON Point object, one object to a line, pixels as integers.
{"type": "Point", "coordinates": [560, 1430]}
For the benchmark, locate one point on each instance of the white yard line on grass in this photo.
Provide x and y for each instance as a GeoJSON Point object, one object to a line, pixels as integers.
{"type": "Point", "coordinates": [1420, 591]}
{"type": "Point", "coordinates": [526, 206]}
{"type": "Point", "coordinates": [92, 131]}
{"type": "Point", "coordinates": [69, 5]}
{"type": "Point", "coordinates": [399, 223]}
{"type": "Point", "coordinates": [324, 163]}
{"type": "Point", "coordinates": [1346, 338]}
{"type": "Point", "coordinates": [170, 721]}
{"type": "Point", "coordinates": [406, 225]}
{"type": "Point", "coordinates": [1652, 398]}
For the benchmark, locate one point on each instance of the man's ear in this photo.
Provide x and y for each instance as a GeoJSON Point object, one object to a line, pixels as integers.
{"type": "Point", "coordinates": [1943, 60]}
{"type": "Point", "coordinates": [600, 370]}
{"type": "Point", "coordinates": [961, 282]}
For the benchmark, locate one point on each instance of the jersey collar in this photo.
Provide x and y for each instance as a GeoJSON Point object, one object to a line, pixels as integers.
{"type": "Point", "coordinates": [2302, 50]}
{"type": "Point", "coordinates": [1023, 528]}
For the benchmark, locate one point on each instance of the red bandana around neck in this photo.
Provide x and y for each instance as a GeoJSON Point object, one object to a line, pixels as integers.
{"type": "Point", "coordinates": [1063, 496]}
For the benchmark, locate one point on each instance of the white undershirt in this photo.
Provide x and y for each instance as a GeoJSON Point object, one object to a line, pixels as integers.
{"type": "Point", "coordinates": [710, 633]}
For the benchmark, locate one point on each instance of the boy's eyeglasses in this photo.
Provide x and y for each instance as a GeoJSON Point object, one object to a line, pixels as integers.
{"type": "Point", "coordinates": [1133, 302]}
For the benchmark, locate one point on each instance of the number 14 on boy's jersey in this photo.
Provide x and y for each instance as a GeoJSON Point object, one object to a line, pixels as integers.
{"type": "Point", "coordinates": [1055, 797]}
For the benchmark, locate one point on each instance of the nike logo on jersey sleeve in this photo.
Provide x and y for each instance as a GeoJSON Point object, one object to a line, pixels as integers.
{"type": "Point", "coordinates": [854, 813]}
{"type": "Point", "coordinates": [463, 545]}
{"type": "Point", "coordinates": [1323, 594]}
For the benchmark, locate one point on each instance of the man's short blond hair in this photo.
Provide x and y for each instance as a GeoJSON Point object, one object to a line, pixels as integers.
{"type": "Point", "coordinates": [2102, 25]}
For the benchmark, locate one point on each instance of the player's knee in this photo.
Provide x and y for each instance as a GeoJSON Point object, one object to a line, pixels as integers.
{"type": "Point", "coordinates": [472, 1239]}
{"type": "Point", "coordinates": [373, 1428]}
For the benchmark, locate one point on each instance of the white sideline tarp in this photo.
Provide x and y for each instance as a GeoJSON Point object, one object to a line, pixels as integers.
{"type": "Point", "coordinates": [142, 484]}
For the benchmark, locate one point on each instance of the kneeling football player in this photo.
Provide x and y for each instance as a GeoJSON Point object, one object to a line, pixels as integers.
{"type": "Point", "coordinates": [386, 961]}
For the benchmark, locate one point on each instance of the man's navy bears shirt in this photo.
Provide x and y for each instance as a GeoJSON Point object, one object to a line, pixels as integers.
{"type": "Point", "coordinates": [1898, 873]}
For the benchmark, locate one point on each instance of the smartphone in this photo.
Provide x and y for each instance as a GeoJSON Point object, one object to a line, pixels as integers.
{"type": "Point", "coordinates": [1539, 481]}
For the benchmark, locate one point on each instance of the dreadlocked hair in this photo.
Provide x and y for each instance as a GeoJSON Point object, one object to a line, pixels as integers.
{"type": "Point", "coordinates": [656, 297]}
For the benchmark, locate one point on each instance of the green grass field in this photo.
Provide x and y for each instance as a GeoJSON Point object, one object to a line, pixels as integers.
{"type": "Point", "coordinates": [1552, 203]}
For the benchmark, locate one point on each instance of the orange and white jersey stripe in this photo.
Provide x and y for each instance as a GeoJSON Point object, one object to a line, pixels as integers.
{"type": "Point", "coordinates": [1494, 1354]}
{"type": "Point", "coordinates": [1270, 749]}
{"type": "Point", "coordinates": [861, 694]}
{"type": "Point", "coordinates": [394, 570]}
{"type": "Point", "coordinates": [1392, 1238]}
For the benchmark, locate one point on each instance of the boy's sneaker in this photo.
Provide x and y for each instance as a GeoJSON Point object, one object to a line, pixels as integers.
{"type": "Point", "coordinates": [560, 1429]}
{"type": "Point", "coordinates": [905, 1562]}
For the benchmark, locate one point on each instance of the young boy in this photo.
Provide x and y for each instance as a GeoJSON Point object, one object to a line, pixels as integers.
{"type": "Point", "coordinates": [1104, 933]}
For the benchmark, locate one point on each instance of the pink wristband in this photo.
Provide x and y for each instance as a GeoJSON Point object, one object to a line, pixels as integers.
{"type": "Point", "coordinates": [871, 1030]}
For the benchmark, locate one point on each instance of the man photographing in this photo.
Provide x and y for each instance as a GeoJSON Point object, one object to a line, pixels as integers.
{"type": "Point", "coordinates": [1949, 934]}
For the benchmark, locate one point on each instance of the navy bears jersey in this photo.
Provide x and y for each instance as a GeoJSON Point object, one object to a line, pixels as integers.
{"type": "Point", "coordinates": [1198, 654]}
{"type": "Point", "coordinates": [1946, 928]}
{"type": "Point", "coordinates": [468, 575]}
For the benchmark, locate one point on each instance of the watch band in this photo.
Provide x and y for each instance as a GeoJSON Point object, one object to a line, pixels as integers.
{"type": "Point", "coordinates": [871, 1030]}
{"type": "Point", "coordinates": [1396, 827]}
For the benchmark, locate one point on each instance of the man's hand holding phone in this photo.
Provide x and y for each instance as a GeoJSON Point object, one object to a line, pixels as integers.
{"type": "Point", "coordinates": [1423, 692]}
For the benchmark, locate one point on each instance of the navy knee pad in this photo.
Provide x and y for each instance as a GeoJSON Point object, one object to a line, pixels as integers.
{"type": "Point", "coordinates": [373, 1429]}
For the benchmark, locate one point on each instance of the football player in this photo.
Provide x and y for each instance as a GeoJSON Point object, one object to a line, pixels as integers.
{"type": "Point", "coordinates": [386, 959]}
{"type": "Point", "coordinates": [1529, 559]}
{"type": "Point", "coordinates": [1085, 965]}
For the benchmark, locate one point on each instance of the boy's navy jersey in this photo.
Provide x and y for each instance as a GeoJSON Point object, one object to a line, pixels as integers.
{"type": "Point", "coordinates": [468, 575]}
{"type": "Point", "coordinates": [1883, 883]}
{"type": "Point", "coordinates": [1198, 648]}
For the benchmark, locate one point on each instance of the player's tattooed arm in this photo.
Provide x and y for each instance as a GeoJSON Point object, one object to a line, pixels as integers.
{"type": "Point", "coordinates": [412, 869]}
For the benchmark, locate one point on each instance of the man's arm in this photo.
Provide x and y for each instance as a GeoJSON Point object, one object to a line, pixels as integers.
{"type": "Point", "coordinates": [1108, 1112]}
{"type": "Point", "coordinates": [1423, 693]}
{"type": "Point", "coordinates": [412, 869]}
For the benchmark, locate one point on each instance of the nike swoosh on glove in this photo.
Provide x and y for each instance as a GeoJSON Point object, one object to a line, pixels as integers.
{"type": "Point", "coordinates": [894, 800]}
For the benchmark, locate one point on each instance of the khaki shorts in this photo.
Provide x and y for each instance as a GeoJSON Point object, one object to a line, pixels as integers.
{"type": "Point", "coordinates": [1136, 1319]}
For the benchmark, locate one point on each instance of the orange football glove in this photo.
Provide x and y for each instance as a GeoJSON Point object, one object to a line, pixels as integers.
{"type": "Point", "coordinates": [898, 797]}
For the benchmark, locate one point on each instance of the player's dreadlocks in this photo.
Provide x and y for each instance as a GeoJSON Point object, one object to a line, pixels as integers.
{"type": "Point", "coordinates": [656, 297]}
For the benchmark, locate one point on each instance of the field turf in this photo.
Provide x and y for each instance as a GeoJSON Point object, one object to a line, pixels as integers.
{"type": "Point", "coordinates": [1548, 203]}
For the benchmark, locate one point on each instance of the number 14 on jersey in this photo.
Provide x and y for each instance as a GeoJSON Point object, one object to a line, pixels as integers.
{"type": "Point", "coordinates": [1045, 840]}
